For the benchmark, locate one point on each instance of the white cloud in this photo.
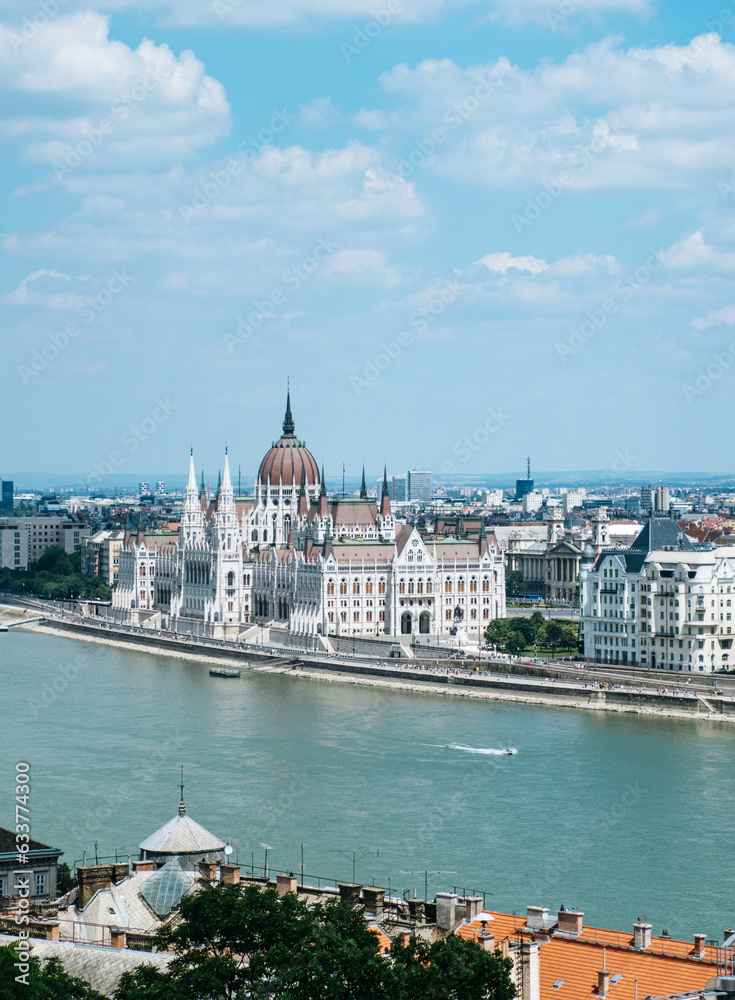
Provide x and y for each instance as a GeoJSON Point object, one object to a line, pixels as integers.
{"type": "Point", "coordinates": [364, 265]}
{"type": "Point", "coordinates": [39, 296]}
{"type": "Point", "coordinates": [692, 252]}
{"type": "Point", "coordinates": [557, 14]}
{"type": "Point", "coordinates": [501, 262]}
{"type": "Point", "coordinates": [715, 317]}
{"type": "Point", "coordinates": [111, 104]}
{"type": "Point", "coordinates": [605, 116]}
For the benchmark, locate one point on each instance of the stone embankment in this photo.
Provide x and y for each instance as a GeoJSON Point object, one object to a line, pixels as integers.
{"type": "Point", "coordinates": [497, 681]}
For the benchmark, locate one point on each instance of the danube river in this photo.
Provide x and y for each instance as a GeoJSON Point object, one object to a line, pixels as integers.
{"type": "Point", "coordinates": [621, 816]}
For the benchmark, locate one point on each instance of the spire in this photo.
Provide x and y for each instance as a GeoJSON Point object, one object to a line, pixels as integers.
{"type": "Point", "coordinates": [288, 424]}
{"type": "Point", "coordinates": [202, 487]}
{"type": "Point", "coordinates": [182, 807]}
{"type": "Point", "coordinates": [192, 484]}
{"type": "Point", "coordinates": [363, 488]}
{"type": "Point", "coordinates": [385, 497]}
{"type": "Point", "coordinates": [323, 491]}
{"type": "Point", "coordinates": [219, 482]}
{"type": "Point", "coordinates": [226, 481]}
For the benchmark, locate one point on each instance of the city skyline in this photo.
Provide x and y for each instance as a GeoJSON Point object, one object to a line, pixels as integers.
{"type": "Point", "coordinates": [505, 215]}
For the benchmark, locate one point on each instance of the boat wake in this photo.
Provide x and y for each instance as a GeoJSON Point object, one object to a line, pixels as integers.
{"type": "Point", "coordinates": [485, 751]}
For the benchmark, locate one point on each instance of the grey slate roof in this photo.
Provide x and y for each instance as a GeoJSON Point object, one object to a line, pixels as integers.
{"type": "Point", "coordinates": [101, 967]}
{"type": "Point", "coordinates": [181, 835]}
{"type": "Point", "coordinates": [662, 533]}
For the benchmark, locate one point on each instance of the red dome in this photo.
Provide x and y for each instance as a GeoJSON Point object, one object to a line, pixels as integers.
{"type": "Point", "coordinates": [288, 460]}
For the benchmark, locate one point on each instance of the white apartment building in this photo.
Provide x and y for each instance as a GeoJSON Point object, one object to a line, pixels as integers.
{"type": "Point", "coordinates": [665, 602]}
{"type": "Point", "coordinates": [13, 546]}
{"type": "Point", "coordinates": [101, 555]}
{"type": "Point", "coordinates": [45, 530]}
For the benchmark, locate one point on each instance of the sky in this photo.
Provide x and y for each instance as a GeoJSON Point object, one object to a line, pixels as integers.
{"type": "Point", "coordinates": [467, 231]}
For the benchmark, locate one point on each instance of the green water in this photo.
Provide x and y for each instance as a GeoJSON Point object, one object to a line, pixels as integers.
{"type": "Point", "coordinates": [620, 816]}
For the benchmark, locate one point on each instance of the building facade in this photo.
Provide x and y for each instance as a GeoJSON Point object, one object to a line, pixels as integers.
{"type": "Point", "coordinates": [665, 602]}
{"type": "Point", "coordinates": [300, 560]}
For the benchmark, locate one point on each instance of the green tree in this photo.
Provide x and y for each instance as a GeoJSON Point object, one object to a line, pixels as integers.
{"type": "Point", "coordinates": [243, 943]}
{"type": "Point", "coordinates": [554, 634]}
{"type": "Point", "coordinates": [52, 982]}
{"type": "Point", "coordinates": [451, 969]}
{"type": "Point", "coordinates": [514, 585]}
{"type": "Point", "coordinates": [64, 879]}
{"type": "Point", "coordinates": [514, 642]}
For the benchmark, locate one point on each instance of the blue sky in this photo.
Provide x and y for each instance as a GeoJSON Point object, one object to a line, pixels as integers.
{"type": "Point", "coordinates": [508, 221]}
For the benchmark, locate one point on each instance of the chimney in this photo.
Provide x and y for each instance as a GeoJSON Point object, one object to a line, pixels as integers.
{"type": "Point", "coordinates": [117, 937]}
{"type": "Point", "coordinates": [91, 880]}
{"type": "Point", "coordinates": [641, 935]}
{"type": "Point", "coordinates": [699, 940]}
{"type": "Point", "coordinates": [208, 870]}
{"type": "Point", "coordinates": [486, 941]}
{"type": "Point", "coordinates": [473, 905]}
{"type": "Point", "coordinates": [570, 922]}
{"type": "Point", "coordinates": [349, 892]}
{"type": "Point", "coordinates": [416, 908]}
{"type": "Point", "coordinates": [285, 884]}
{"type": "Point", "coordinates": [446, 911]}
{"type": "Point", "coordinates": [373, 900]}
{"type": "Point", "coordinates": [229, 874]}
{"type": "Point", "coordinates": [536, 917]}
{"type": "Point", "coordinates": [144, 866]}
{"type": "Point", "coordinates": [603, 983]}
{"type": "Point", "coordinates": [531, 989]}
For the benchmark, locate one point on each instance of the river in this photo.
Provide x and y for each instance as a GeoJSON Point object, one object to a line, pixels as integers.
{"type": "Point", "coordinates": [619, 815]}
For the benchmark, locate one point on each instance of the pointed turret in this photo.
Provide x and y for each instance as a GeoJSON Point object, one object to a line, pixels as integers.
{"type": "Point", "coordinates": [363, 487]}
{"type": "Point", "coordinates": [202, 488]}
{"type": "Point", "coordinates": [323, 505]}
{"type": "Point", "coordinates": [192, 484]}
{"type": "Point", "coordinates": [303, 508]}
{"type": "Point", "coordinates": [385, 496]}
{"type": "Point", "coordinates": [226, 483]}
{"type": "Point", "coordinates": [288, 423]}
{"type": "Point", "coordinates": [323, 490]}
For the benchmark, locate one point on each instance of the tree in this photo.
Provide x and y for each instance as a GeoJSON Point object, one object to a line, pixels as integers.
{"type": "Point", "coordinates": [64, 879]}
{"type": "Point", "coordinates": [52, 982]}
{"type": "Point", "coordinates": [451, 969]}
{"type": "Point", "coordinates": [514, 584]}
{"type": "Point", "coordinates": [554, 633]}
{"type": "Point", "coordinates": [243, 943]}
{"type": "Point", "coordinates": [514, 642]}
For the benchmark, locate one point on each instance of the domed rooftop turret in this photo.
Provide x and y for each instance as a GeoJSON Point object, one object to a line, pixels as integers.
{"type": "Point", "coordinates": [289, 462]}
{"type": "Point", "coordinates": [183, 838]}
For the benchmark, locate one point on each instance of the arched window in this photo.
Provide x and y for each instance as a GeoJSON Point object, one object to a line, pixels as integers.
{"type": "Point", "coordinates": [473, 585]}
{"type": "Point", "coordinates": [410, 586]}
{"type": "Point", "coordinates": [485, 585]}
{"type": "Point", "coordinates": [460, 586]}
{"type": "Point", "coordinates": [381, 586]}
{"type": "Point", "coordinates": [428, 587]}
{"type": "Point", "coordinates": [369, 587]}
{"type": "Point", "coordinates": [330, 586]}
{"type": "Point", "coordinates": [447, 586]}
{"type": "Point", "coordinates": [402, 587]}
{"type": "Point", "coordinates": [355, 587]}
{"type": "Point", "coordinates": [230, 579]}
{"type": "Point", "coordinates": [420, 587]}
{"type": "Point", "coordinates": [265, 536]}
{"type": "Point", "coordinates": [343, 586]}
{"type": "Point", "coordinates": [255, 536]}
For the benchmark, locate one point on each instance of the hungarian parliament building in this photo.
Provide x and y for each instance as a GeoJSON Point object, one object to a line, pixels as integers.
{"type": "Point", "coordinates": [291, 557]}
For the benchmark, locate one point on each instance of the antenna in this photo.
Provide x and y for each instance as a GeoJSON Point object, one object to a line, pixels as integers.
{"type": "Point", "coordinates": [343, 479]}
{"type": "Point", "coordinates": [182, 807]}
{"type": "Point", "coordinates": [355, 858]}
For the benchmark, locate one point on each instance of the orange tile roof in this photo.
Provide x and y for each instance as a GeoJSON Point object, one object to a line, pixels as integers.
{"type": "Point", "coordinates": [667, 966]}
{"type": "Point", "coordinates": [383, 940]}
